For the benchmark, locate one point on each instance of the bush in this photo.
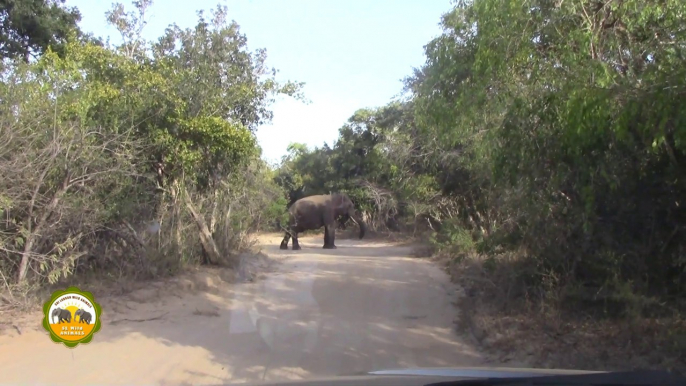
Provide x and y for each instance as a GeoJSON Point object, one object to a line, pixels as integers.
{"type": "Point", "coordinates": [112, 160]}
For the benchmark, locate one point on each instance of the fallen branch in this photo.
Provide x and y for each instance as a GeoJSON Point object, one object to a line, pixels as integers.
{"type": "Point", "coordinates": [138, 320]}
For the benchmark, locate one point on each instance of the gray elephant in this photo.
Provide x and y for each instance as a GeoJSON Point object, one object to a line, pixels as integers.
{"type": "Point", "coordinates": [342, 221]}
{"type": "Point", "coordinates": [62, 315]}
{"type": "Point", "coordinates": [84, 316]}
{"type": "Point", "coordinates": [314, 212]}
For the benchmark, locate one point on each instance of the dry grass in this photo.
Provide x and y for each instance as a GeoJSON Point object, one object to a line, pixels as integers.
{"type": "Point", "coordinates": [512, 327]}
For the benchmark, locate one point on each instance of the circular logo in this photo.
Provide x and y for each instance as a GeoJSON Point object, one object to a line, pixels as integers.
{"type": "Point", "coordinates": [71, 317]}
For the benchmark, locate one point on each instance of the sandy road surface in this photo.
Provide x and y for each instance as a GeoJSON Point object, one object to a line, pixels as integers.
{"type": "Point", "coordinates": [364, 306]}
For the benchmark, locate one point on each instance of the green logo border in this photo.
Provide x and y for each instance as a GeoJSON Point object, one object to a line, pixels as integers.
{"type": "Point", "coordinates": [46, 322]}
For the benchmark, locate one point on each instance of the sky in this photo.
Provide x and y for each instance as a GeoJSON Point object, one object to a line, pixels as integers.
{"type": "Point", "coordinates": [351, 54]}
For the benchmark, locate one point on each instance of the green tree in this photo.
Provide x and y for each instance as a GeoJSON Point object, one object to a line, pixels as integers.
{"type": "Point", "coordinates": [117, 132]}
{"type": "Point", "coordinates": [550, 127]}
{"type": "Point", "coordinates": [218, 76]}
{"type": "Point", "coordinates": [29, 27]}
{"type": "Point", "coordinates": [564, 131]}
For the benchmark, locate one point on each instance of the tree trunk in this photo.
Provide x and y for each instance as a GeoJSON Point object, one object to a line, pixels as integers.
{"type": "Point", "coordinates": [176, 214]}
{"type": "Point", "coordinates": [34, 233]}
{"type": "Point", "coordinates": [215, 209]}
{"type": "Point", "coordinates": [206, 239]}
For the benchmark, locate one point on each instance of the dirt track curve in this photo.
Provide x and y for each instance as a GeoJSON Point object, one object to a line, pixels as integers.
{"type": "Point", "coordinates": [364, 306]}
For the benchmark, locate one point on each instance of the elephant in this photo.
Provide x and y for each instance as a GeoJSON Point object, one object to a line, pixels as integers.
{"type": "Point", "coordinates": [318, 211]}
{"type": "Point", "coordinates": [342, 221]}
{"type": "Point", "coordinates": [84, 316]}
{"type": "Point", "coordinates": [61, 314]}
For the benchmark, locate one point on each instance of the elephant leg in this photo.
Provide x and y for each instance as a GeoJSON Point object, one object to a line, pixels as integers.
{"type": "Point", "coordinates": [296, 245]}
{"type": "Point", "coordinates": [284, 242]}
{"type": "Point", "coordinates": [329, 236]}
{"type": "Point", "coordinates": [332, 236]}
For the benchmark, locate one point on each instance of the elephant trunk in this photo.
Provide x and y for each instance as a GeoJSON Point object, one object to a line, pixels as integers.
{"type": "Point", "coordinates": [358, 220]}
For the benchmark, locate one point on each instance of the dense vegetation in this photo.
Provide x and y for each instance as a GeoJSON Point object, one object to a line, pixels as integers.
{"type": "Point", "coordinates": [128, 160]}
{"type": "Point", "coordinates": [544, 139]}
{"type": "Point", "coordinates": [547, 137]}
{"type": "Point", "coordinates": [29, 27]}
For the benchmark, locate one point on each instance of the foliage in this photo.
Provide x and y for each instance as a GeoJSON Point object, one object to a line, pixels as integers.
{"type": "Point", "coordinates": [216, 74]}
{"type": "Point", "coordinates": [55, 160]}
{"type": "Point", "coordinates": [29, 27]}
{"type": "Point", "coordinates": [554, 130]}
{"type": "Point", "coordinates": [550, 130]}
{"type": "Point", "coordinates": [137, 158]}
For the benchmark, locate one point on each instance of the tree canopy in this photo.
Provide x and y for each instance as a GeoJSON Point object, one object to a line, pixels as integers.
{"type": "Point", "coordinates": [135, 134]}
{"type": "Point", "coordinates": [29, 27]}
{"type": "Point", "coordinates": [543, 139]}
{"type": "Point", "coordinates": [554, 129]}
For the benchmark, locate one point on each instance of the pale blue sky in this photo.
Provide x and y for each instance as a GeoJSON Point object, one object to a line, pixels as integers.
{"type": "Point", "coordinates": [350, 53]}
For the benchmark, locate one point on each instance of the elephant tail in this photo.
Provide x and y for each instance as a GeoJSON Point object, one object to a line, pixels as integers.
{"type": "Point", "coordinates": [291, 222]}
{"type": "Point", "coordinates": [287, 230]}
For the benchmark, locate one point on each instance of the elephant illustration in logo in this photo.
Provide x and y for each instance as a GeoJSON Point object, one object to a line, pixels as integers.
{"type": "Point", "coordinates": [84, 316]}
{"type": "Point", "coordinates": [62, 315]}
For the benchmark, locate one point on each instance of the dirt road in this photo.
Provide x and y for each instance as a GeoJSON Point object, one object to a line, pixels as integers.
{"type": "Point", "coordinates": [364, 306]}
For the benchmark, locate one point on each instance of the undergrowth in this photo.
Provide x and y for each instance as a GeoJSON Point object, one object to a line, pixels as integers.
{"type": "Point", "coordinates": [520, 310]}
